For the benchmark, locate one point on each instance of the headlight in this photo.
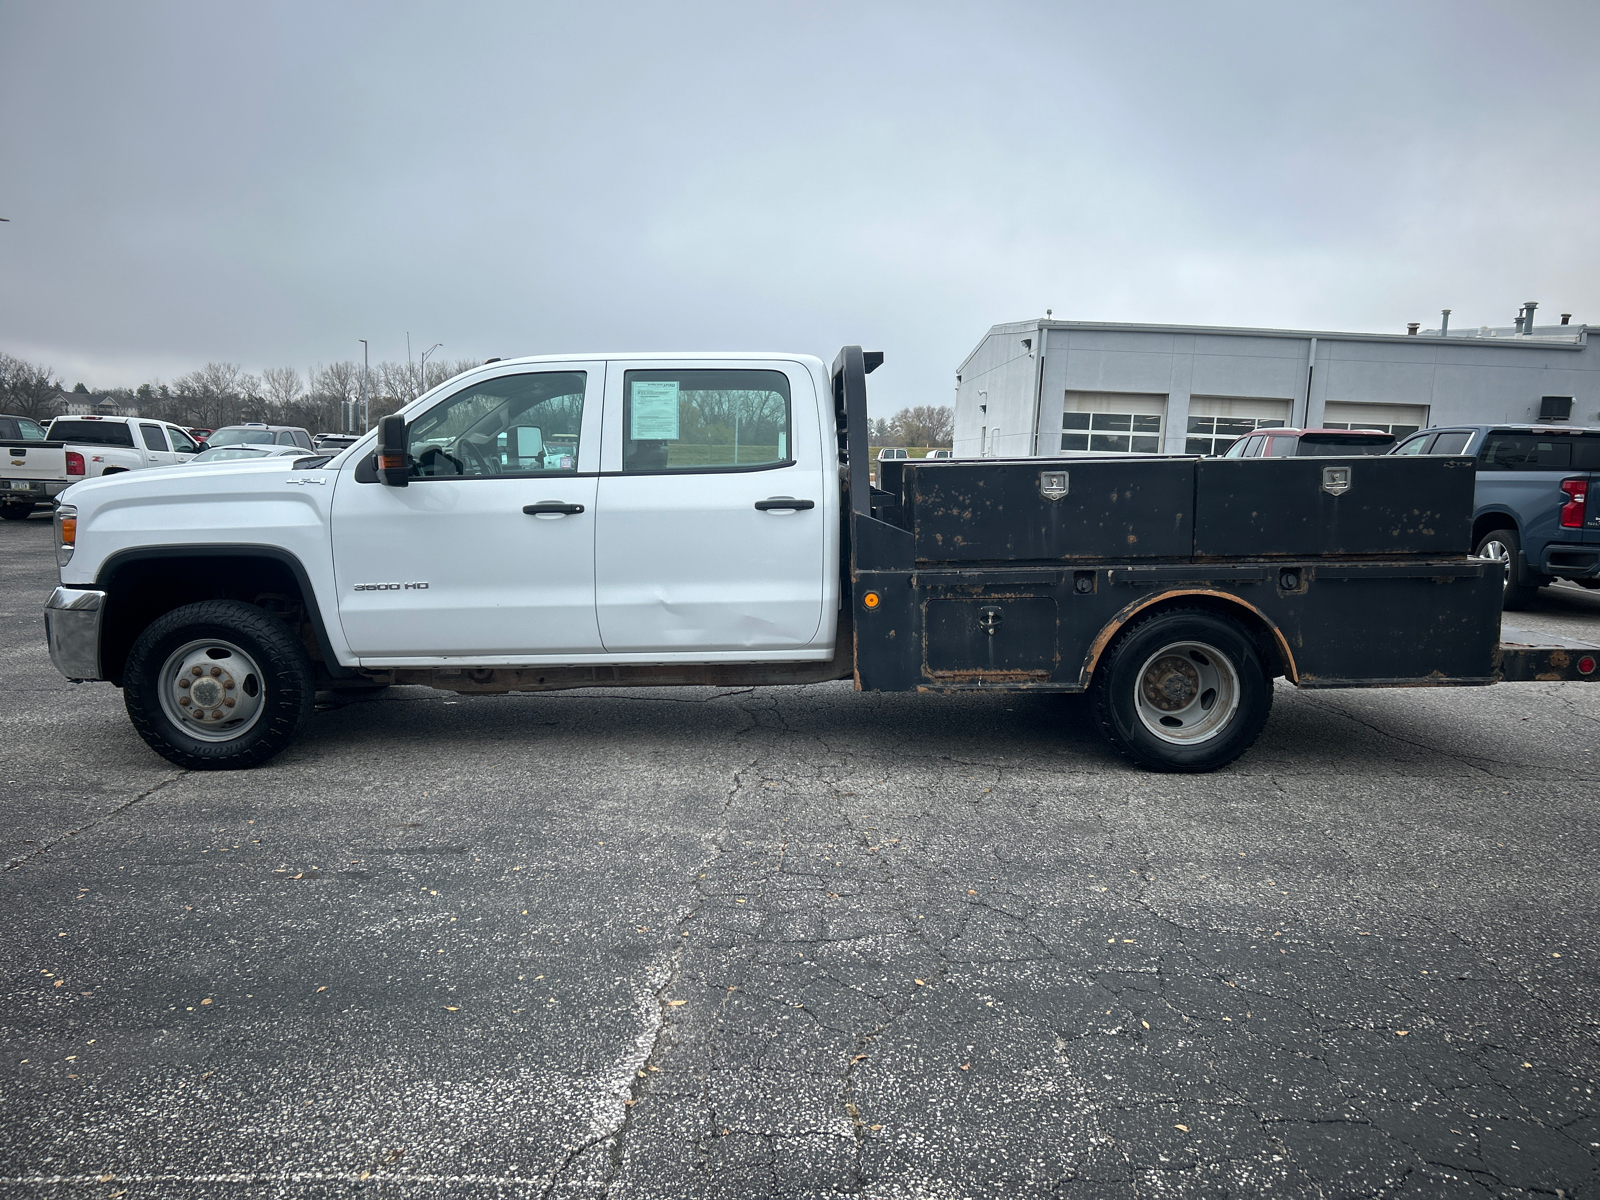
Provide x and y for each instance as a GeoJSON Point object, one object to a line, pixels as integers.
{"type": "Point", "coordinates": [66, 532]}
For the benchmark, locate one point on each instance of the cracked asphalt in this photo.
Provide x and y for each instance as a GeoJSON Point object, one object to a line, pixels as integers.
{"type": "Point", "coordinates": [798, 942]}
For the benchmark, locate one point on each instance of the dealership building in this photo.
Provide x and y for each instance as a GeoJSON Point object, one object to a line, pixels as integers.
{"type": "Point", "coordinates": [1057, 388]}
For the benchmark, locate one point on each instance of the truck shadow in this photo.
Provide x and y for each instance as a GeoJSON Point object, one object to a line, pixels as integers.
{"type": "Point", "coordinates": [1399, 732]}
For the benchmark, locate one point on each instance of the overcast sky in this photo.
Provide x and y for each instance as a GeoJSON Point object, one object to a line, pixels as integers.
{"type": "Point", "coordinates": [267, 183]}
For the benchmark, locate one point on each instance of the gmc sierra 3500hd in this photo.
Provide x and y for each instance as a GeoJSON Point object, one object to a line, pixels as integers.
{"type": "Point", "coordinates": [649, 520]}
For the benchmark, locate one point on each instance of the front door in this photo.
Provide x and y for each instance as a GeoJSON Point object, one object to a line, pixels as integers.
{"type": "Point", "coordinates": [711, 536]}
{"type": "Point", "coordinates": [488, 553]}
{"type": "Point", "coordinates": [155, 443]}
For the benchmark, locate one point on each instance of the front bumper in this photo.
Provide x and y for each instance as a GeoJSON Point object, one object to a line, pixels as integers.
{"type": "Point", "coordinates": [72, 629]}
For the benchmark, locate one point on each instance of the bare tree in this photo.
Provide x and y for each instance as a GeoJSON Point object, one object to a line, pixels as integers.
{"type": "Point", "coordinates": [281, 388]}
{"type": "Point", "coordinates": [27, 390]}
{"type": "Point", "coordinates": [923, 425]}
{"type": "Point", "coordinates": [215, 395]}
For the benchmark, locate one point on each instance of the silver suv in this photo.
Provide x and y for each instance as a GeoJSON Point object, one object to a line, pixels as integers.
{"type": "Point", "coordinates": [259, 434]}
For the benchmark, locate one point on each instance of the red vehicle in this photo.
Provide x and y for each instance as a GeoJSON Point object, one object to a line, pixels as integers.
{"type": "Point", "coordinates": [200, 435]}
{"type": "Point", "coordinates": [1310, 443]}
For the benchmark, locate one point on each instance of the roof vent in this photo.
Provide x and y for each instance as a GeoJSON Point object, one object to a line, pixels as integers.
{"type": "Point", "coordinates": [1412, 327]}
{"type": "Point", "coordinates": [1555, 408]}
{"type": "Point", "coordinates": [1566, 318]}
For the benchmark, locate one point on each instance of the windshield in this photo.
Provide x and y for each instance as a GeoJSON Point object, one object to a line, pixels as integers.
{"type": "Point", "coordinates": [236, 437]}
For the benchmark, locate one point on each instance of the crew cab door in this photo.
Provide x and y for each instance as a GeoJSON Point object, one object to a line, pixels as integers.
{"type": "Point", "coordinates": [154, 439]}
{"type": "Point", "coordinates": [488, 553]}
{"type": "Point", "coordinates": [712, 529]}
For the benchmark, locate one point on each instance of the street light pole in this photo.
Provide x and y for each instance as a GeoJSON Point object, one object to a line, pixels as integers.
{"type": "Point", "coordinates": [365, 419]}
{"type": "Point", "coordinates": [423, 382]}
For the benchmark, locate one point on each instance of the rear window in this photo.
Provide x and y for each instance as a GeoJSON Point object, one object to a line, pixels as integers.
{"type": "Point", "coordinates": [1539, 452]}
{"type": "Point", "coordinates": [1339, 445]}
{"type": "Point", "coordinates": [92, 433]}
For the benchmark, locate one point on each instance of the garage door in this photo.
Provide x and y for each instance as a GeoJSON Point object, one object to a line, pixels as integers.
{"type": "Point", "coordinates": [1112, 422]}
{"type": "Point", "coordinates": [1216, 422]}
{"type": "Point", "coordinates": [1398, 419]}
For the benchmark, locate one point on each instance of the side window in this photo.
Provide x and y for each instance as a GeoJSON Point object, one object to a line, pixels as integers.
{"type": "Point", "coordinates": [513, 425]}
{"type": "Point", "coordinates": [1416, 445]}
{"type": "Point", "coordinates": [1525, 452]}
{"type": "Point", "coordinates": [704, 420]}
{"type": "Point", "coordinates": [285, 438]}
{"type": "Point", "coordinates": [1280, 447]}
{"type": "Point", "coordinates": [1238, 448]}
{"type": "Point", "coordinates": [181, 441]}
{"type": "Point", "coordinates": [154, 439]}
{"type": "Point", "coordinates": [9, 431]}
{"type": "Point", "coordinates": [1447, 443]}
{"type": "Point", "coordinates": [303, 440]}
{"type": "Point", "coordinates": [1252, 448]}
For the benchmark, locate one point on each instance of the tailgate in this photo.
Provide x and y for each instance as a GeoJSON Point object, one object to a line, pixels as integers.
{"type": "Point", "coordinates": [33, 462]}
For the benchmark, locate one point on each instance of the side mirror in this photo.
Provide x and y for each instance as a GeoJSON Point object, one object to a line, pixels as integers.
{"type": "Point", "coordinates": [392, 447]}
{"type": "Point", "coordinates": [529, 441]}
{"type": "Point", "coordinates": [199, 447]}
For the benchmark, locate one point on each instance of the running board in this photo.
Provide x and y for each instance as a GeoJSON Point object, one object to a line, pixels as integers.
{"type": "Point", "coordinates": [1525, 657]}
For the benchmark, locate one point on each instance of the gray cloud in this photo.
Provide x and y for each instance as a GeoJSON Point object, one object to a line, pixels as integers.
{"type": "Point", "coordinates": [268, 184]}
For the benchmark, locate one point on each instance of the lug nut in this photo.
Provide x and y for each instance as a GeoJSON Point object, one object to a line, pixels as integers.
{"type": "Point", "coordinates": [183, 700]}
{"type": "Point", "coordinates": [216, 672]}
{"type": "Point", "coordinates": [216, 714]}
{"type": "Point", "coordinates": [197, 672]}
{"type": "Point", "coordinates": [184, 682]}
{"type": "Point", "coordinates": [230, 702]}
{"type": "Point", "coordinates": [227, 682]}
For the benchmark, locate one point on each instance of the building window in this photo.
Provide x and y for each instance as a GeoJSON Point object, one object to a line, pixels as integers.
{"type": "Point", "coordinates": [1111, 433]}
{"type": "Point", "coordinates": [1213, 435]}
{"type": "Point", "coordinates": [1398, 419]}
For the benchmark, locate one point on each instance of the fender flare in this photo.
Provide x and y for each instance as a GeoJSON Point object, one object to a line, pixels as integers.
{"type": "Point", "coordinates": [1127, 613]}
{"type": "Point", "coordinates": [105, 579]}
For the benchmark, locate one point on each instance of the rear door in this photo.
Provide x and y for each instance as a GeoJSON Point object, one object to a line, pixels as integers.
{"type": "Point", "coordinates": [711, 536]}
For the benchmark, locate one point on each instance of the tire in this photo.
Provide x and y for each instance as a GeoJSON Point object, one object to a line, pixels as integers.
{"type": "Point", "coordinates": [1149, 693]}
{"type": "Point", "coordinates": [16, 512]}
{"type": "Point", "coordinates": [246, 666]}
{"type": "Point", "coordinates": [1505, 546]}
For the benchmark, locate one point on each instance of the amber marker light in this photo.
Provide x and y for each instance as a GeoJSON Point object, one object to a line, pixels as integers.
{"type": "Point", "coordinates": [871, 600]}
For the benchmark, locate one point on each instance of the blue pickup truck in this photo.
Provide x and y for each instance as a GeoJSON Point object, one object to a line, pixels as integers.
{"type": "Point", "coordinates": [1531, 508]}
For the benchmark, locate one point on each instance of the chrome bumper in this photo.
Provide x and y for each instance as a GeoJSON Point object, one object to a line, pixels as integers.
{"type": "Point", "coordinates": [72, 628]}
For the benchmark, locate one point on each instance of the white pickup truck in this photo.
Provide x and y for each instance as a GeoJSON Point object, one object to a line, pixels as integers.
{"type": "Point", "coordinates": [624, 520]}
{"type": "Point", "coordinates": [85, 447]}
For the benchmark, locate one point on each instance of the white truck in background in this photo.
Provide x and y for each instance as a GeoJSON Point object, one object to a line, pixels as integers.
{"type": "Point", "coordinates": [42, 462]}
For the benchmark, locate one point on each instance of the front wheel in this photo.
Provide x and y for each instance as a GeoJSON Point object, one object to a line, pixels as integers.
{"type": "Point", "coordinates": [218, 685]}
{"type": "Point", "coordinates": [1184, 690]}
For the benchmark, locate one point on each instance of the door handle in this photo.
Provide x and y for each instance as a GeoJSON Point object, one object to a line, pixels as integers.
{"type": "Point", "coordinates": [782, 502]}
{"type": "Point", "coordinates": [552, 508]}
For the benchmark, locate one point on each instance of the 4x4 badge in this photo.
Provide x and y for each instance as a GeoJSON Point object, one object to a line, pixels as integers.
{"type": "Point", "coordinates": [1052, 484]}
{"type": "Point", "coordinates": [1336, 480]}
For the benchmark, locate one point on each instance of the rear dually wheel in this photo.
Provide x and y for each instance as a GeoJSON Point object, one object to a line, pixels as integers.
{"type": "Point", "coordinates": [1184, 690]}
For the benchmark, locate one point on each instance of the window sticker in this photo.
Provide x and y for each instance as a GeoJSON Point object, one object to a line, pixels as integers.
{"type": "Point", "coordinates": [783, 447]}
{"type": "Point", "coordinates": [654, 411]}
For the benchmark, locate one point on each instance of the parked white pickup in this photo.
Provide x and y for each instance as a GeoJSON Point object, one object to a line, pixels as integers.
{"type": "Point", "coordinates": [107, 445]}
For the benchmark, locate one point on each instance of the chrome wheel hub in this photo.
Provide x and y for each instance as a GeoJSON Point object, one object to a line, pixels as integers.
{"type": "Point", "coordinates": [212, 690]}
{"type": "Point", "coordinates": [1187, 692]}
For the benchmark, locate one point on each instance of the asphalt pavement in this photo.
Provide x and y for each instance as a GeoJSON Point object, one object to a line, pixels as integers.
{"type": "Point", "coordinates": [797, 942]}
